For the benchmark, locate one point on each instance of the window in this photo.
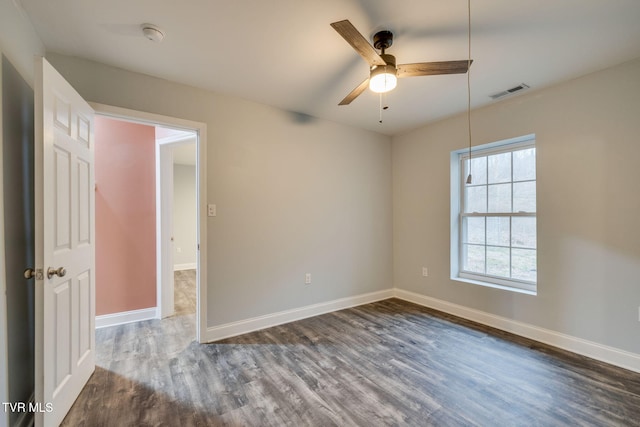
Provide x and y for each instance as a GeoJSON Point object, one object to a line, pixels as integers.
{"type": "Point", "coordinates": [495, 216]}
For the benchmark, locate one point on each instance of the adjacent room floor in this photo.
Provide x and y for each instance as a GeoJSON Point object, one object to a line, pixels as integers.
{"type": "Point", "coordinates": [184, 293]}
{"type": "Point", "coordinates": [381, 364]}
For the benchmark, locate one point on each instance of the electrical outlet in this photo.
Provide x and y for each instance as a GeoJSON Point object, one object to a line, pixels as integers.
{"type": "Point", "coordinates": [211, 210]}
{"type": "Point", "coordinates": [307, 279]}
{"type": "Point", "coordinates": [425, 271]}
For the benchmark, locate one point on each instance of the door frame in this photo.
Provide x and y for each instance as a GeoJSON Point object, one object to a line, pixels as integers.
{"type": "Point", "coordinates": [4, 353]}
{"type": "Point", "coordinates": [165, 219]}
{"type": "Point", "coordinates": [151, 119]}
{"type": "Point", "coordinates": [164, 225]}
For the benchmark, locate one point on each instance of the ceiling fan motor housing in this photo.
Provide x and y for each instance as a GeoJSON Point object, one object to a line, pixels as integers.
{"type": "Point", "coordinates": [383, 40]}
{"type": "Point", "coordinates": [389, 59]}
{"type": "Point", "coordinates": [390, 68]}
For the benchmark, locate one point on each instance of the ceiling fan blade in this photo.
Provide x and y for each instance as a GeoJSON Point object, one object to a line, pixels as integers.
{"type": "Point", "coordinates": [433, 68]}
{"type": "Point", "coordinates": [355, 93]}
{"type": "Point", "coordinates": [358, 42]}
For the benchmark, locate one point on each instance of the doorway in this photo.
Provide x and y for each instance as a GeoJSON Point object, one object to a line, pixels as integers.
{"type": "Point", "coordinates": [64, 263]}
{"type": "Point", "coordinates": [176, 230]}
{"type": "Point", "coordinates": [179, 139]}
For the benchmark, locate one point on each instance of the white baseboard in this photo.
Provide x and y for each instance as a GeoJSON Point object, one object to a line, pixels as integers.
{"type": "Point", "coordinates": [126, 317]}
{"type": "Point", "coordinates": [228, 330]}
{"type": "Point", "coordinates": [607, 354]}
{"type": "Point", "coordinates": [188, 266]}
{"type": "Point", "coordinates": [611, 355]}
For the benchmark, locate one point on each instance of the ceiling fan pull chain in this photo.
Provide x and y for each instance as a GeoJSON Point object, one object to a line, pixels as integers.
{"type": "Point", "coordinates": [469, 179]}
{"type": "Point", "coordinates": [380, 108]}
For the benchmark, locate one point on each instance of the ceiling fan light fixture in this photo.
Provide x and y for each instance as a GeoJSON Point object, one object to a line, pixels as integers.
{"type": "Point", "coordinates": [383, 78]}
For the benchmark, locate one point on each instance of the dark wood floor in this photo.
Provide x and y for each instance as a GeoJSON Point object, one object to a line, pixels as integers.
{"type": "Point", "coordinates": [382, 364]}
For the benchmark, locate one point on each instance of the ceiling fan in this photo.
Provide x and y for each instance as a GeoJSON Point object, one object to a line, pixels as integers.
{"type": "Point", "coordinates": [384, 71]}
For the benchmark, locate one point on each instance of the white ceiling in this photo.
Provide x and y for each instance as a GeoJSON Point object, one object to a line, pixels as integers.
{"type": "Point", "coordinates": [284, 53]}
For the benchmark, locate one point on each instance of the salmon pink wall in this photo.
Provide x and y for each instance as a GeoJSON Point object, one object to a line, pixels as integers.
{"type": "Point", "coordinates": [125, 216]}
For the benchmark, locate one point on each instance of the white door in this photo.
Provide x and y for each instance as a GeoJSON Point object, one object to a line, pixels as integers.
{"type": "Point", "coordinates": [164, 229]}
{"type": "Point", "coordinates": [65, 235]}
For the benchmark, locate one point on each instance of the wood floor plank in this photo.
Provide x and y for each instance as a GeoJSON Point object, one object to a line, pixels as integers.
{"type": "Point", "coordinates": [381, 364]}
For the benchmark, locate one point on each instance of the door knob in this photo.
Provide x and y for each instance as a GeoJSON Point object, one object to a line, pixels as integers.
{"type": "Point", "coordinates": [60, 272]}
{"type": "Point", "coordinates": [29, 273]}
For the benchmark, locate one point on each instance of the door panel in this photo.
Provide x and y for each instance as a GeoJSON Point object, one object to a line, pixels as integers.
{"type": "Point", "coordinates": [65, 235]}
{"type": "Point", "coordinates": [62, 323]}
{"type": "Point", "coordinates": [62, 201]}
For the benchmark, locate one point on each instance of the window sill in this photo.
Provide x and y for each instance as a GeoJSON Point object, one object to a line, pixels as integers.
{"type": "Point", "coordinates": [495, 286]}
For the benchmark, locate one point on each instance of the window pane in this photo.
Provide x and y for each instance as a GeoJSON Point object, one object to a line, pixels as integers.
{"type": "Point", "coordinates": [498, 261]}
{"type": "Point", "coordinates": [474, 230]}
{"type": "Point", "coordinates": [500, 198]}
{"type": "Point", "coordinates": [496, 239]}
{"type": "Point", "coordinates": [476, 199]}
{"type": "Point", "coordinates": [523, 232]}
{"type": "Point", "coordinates": [473, 258]}
{"type": "Point", "coordinates": [499, 168]}
{"type": "Point", "coordinates": [524, 197]}
{"type": "Point", "coordinates": [524, 164]}
{"type": "Point", "coordinates": [498, 231]}
{"type": "Point", "coordinates": [524, 264]}
{"type": "Point", "coordinates": [478, 169]}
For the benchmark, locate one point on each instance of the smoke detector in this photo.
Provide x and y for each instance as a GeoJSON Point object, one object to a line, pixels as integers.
{"type": "Point", "coordinates": [152, 32]}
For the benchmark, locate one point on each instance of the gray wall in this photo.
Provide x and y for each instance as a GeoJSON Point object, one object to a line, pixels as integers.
{"type": "Point", "coordinates": [185, 211]}
{"type": "Point", "coordinates": [588, 232]}
{"type": "Point", "coordinates": [293, 196]}
{"type": "Point", "coordinates": [19, 238]}
{"type": "Point", "coordinates": [19, 43]}
{"type": "Point", "coordinates": [18, 40]}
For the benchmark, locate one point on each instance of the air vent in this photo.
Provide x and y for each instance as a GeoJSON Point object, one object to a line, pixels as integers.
{"type": "Point", "coordinates": [509, 91]}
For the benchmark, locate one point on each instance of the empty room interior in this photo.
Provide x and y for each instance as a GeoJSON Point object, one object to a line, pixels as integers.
{"type": "Point", "coordinates": [341, 213]}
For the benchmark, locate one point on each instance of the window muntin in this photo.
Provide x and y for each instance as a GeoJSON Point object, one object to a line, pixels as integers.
{"type": "Point", "coordinates": [497, 219]}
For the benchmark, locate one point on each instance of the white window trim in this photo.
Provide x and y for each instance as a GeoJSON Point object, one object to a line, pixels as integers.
{"type": "Point", "coordinates": [457, 189]}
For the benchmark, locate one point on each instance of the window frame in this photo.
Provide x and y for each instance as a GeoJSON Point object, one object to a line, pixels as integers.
{"type": "Point", "coordinates": [458, 185]}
